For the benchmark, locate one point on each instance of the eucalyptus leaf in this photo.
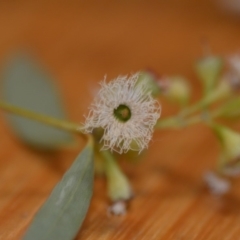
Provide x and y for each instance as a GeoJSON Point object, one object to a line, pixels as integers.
{"type": "Point", "coordinates": [62, 214]}
{"type": "Point", "coordinates": [25, 84]}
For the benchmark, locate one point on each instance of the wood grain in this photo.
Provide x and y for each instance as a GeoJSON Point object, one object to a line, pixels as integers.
{"type": "Point", "coordinates": [80, 42]}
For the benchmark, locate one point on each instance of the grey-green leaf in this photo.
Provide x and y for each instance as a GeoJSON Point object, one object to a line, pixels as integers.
{"type": "Point", "coordinates": [62, 214]}
{"type": "Point", "coordinates": [25, 84]}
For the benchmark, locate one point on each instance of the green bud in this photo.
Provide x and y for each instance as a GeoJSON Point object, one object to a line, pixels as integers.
{"type": "Point", "coordinates": [230, 144]}
{"type": "Point", "coordinates": [149, 79]}
{"type": "Point", "coordinates": [208, 70]}
{"type": "Point", "coordinates": [178, 90]}
{"type": "Point", "coordinates": [117, 183]}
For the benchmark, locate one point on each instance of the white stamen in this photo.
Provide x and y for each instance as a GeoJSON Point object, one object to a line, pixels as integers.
{"type": "Point", "coordinates": [119, 135]}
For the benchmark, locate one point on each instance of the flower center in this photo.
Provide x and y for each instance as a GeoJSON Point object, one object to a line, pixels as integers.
{"type": "Point", "coordinates": [122, 113]}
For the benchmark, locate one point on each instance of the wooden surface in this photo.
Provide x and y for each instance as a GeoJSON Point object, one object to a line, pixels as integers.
{"type": "Point", "coordinates": [80, 43]}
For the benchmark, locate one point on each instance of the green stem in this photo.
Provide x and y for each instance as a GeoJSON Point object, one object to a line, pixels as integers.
{"type": "Point", "coordinates": [221, 92]}
{"type": "Point", "coordinates": [181, 119]}
{"type": "Point", "coordinates": [169, 122]}
{"type": "Point", "coordinates": [177, 122]}
{"type": "Point", "coordinates": [69, 126]}
{"type": "Point", "coordinates": [118, 184]}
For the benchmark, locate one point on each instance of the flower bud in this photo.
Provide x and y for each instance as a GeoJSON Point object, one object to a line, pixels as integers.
{"type": "Point", "coordinates": [176, 89]}
{"type": "Point", "coordinates": [117, 183]}
{"type": "Point", "coordinates": [230, 156]}
{"type": "Point", "coordinates": [149, 79]}
{"type": "Point", "coordinates": [208, 70]}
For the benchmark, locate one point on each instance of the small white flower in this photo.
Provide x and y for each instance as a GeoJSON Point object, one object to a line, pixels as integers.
{"type": "Point", "coordinates": [233, 74]}
{"type": "Point", "coordinates": [126, 111]}
{"type": "Point", "coordinates": [234, 63]}
{"type": "Point", "coordinates": [117, 208]}
{"type": "Point", "coordinates": [217, 186]}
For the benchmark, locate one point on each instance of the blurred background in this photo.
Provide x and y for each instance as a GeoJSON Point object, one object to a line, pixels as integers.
{"type": "Point", "coordinates": [79, 42]}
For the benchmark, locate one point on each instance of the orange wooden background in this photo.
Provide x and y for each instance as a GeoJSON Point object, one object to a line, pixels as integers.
{"type": "Point", "coordinates": [80, 42]}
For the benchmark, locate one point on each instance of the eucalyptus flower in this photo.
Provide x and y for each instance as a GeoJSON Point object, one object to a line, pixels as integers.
{"type": "Point", "coordinates": [126, 112]}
